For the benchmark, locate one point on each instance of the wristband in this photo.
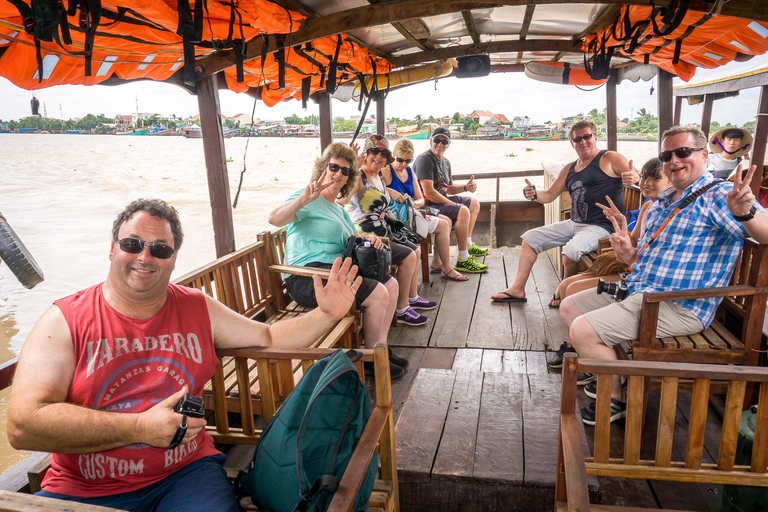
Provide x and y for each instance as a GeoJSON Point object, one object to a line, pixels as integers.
{"type": "Point", "coordinates": [465, 188]}
{"type": "Point", "coordinates": [178, 437]}
{"type": "Point", "coordinates": [749, 216]}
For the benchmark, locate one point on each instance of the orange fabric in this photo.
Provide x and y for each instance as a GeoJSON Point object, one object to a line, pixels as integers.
{"type": "Point", "coordinates": [577, 75]}
{"type": "Point", "coordinates": [709, 45]}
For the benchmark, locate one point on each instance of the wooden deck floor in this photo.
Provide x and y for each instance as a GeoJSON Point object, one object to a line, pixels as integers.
{"type": "Point", "coordinates": [477, 411]}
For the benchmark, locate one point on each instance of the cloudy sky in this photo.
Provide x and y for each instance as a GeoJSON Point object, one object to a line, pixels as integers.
{"type": "Point", "coordinates": [511, 94]}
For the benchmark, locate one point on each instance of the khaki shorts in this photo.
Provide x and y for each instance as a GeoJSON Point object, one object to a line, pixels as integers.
{"type": "Point", "coordinates": [615, 321]}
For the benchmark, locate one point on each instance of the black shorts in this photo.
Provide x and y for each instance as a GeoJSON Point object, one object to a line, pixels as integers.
{"type": "Point", "coordinates": [401, 251]}
{"type": "Point", "coordinates": [302, 289]}
{"type": "Point", "coordinates": [451, 210]}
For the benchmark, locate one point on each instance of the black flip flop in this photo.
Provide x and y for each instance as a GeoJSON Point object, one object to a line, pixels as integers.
{"type": "Point", "coordinates": [555, 297]}
{"type": "Point", "coordinates": [509, 298]}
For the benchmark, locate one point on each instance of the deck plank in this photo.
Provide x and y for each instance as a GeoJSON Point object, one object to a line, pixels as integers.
{"type": "Point", "coordinates": [468, 359]}
{"type": "Point", "coordinates": [408, 336]}
{"type": "Point", "coordinates": [442, 358]}
{"type": "Point", "coordinates": [493, 361]}
{"type": "Point", "coordinates": [455, 314]}
{"type": "Point", "coordinates": [491, 326]}
{"type": "Point", "coordinates": [456, 454]}
{"type": "Point", "coordinates": [541, 415]}
{"type": "Point", "coordinates": [546, 279]}
{"type": "Point", "coordinates": [514, 361]}
{"type": "Point", "coordinates": [420, 425]}
{"type": "Point", "coordinates": [499, 452]}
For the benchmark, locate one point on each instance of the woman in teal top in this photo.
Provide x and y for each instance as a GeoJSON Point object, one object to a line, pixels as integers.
{"type": "Point", "coordinates": [318, 231]}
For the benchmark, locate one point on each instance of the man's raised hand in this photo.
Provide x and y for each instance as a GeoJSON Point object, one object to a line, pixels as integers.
{"type": "Point", "coordinates": [740, 199]}
{"type": "Point", "coordinates": [630, 176]}
{"type": "Point", "coordinates": [529, 191]}
{"type": "Point", "coordinates": [471, 185]}
{"type": "Point", "coordinates": [337, 296]}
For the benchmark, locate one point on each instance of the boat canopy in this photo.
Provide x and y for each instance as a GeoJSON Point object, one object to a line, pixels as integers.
{"type": "Point", "coordinates": [723, 84]}
{"type": "Point", "coordinates": [296, 48]}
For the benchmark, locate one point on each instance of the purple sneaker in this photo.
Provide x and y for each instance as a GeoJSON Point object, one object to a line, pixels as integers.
{"type": "Point", "coordinates": [410, 317]}
{"type": "Point", "coordinates": [421, 303]}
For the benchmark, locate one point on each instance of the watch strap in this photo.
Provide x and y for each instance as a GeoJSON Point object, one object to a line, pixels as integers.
{"type": "Point", "coordinates": [749, 216]}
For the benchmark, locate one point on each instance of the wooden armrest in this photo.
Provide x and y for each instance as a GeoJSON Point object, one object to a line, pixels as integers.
{"type": "Point", "coordinates": [704, 293]}
{"type": "Point", "coordinates": [603, 244]}
{"type": "Point", "coordinates": [297, 270]}
{"type": "Point", "coordinates": [353, 476]}
{"type": "Point", "coordinates": [286, 353]}
{"type": "Point", "coordinates": [573, 459]}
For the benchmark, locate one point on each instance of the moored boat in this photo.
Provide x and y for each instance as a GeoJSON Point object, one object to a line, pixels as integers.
{"type": "Point", "coordinates": [135, 131]}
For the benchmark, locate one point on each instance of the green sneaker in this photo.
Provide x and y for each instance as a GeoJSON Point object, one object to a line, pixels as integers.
{"type": "Point", "coordinates": [476, 250]}
{"type": "Point", "coordinates": [471, 265]}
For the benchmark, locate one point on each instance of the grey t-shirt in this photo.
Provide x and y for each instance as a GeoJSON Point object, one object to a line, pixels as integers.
{"type": "Point", "coordinates": [720, 167]}
{"type": "Point", "coordinates": [428, 167]}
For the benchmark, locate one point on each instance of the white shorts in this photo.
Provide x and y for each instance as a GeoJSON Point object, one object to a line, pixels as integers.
{"type": "Point", "coordinates": [433, 221]}
{"type": "Point", "coordinates": [576, 238]}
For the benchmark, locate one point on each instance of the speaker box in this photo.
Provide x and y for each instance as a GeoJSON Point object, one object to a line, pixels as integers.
{"type": "Point", "coordinates": [472, 66]}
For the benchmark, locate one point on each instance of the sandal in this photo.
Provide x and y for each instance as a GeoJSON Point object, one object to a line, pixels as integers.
{"type": "Point", "coordinates": [555, 298]}
{"type": "Point", "coordinates": [433, 270]}
{"type": "Point", "coordinates": [451, 277]}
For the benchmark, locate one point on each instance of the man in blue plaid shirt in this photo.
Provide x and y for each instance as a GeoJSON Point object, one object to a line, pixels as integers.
{"type": "Point", "coordinates": [697, 248]}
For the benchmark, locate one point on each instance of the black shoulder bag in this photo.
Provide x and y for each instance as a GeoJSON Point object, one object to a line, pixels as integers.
{"type": "Point", "coordinates": [371, 262]}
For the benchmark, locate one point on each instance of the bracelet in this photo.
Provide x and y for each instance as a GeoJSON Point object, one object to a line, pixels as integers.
{"type": "Point", "coordinates": [749, 216]}
{"type": "Point", "coordinates": [465, 188]}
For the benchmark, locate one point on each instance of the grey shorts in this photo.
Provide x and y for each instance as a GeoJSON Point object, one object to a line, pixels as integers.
{"type": "Point", "coordinates": [575, 238]}
{"type": "Point", "coordinates": [615, 321]}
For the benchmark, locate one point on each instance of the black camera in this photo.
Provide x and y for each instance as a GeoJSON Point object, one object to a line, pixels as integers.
{"type": "Point", "coordinates": [191, 406]}
{"type": "Point", "coordinates": [618, 290]}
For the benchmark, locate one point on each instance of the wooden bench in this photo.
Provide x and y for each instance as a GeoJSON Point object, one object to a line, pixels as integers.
{"type": "Point", "coordinates": [243, 282]}
{"type": "Point", "coordinates": [378, 432]}
{"type": "Point", "coordinates": [573, 465]}
{"type": "Point", "coordinates": [633, 200]}
{"type": "Point", "coordinates": [734, 337]}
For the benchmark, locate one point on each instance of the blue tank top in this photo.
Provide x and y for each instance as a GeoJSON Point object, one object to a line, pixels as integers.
{"type": "Point", "coordinates": [590, 186]}
{"type": "Point", "coordinates": [403, 188]}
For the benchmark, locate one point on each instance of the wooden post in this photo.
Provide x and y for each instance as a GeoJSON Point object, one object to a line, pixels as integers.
{"type": "Point", "coordinates": [706, 113]}
{"type": "Point", "coordinates": [664, 101]}
{"type": "Point", "coordinates": [760, 136]}
{"type": "Point", "coordinates": [326, 121]}
{"type": "Point", "coordinates": [678, 109]}
{"type": "Point", "coordinates": [381, 115]}
{"type": "Point", "coordinates": [611, 121]}
{"type": "Point", "coordinates": [216, 164]}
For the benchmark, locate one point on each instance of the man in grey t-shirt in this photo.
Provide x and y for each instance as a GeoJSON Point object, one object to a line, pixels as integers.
{"type": "Point", "coordinates": [433, 171]}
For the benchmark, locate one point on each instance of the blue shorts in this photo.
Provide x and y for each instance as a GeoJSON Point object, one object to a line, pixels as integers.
{"type": "Point", "coordinates": [201, 486]}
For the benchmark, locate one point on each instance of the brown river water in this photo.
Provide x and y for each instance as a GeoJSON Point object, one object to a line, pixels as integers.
{"type": "Point", "coordinates": [61, 193]}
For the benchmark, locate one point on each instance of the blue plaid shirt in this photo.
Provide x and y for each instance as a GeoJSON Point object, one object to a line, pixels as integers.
{"type": "Point", "coordinates": [697, 249]}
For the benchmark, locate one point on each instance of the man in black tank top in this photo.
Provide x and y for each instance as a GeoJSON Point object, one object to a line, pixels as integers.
{"type": "Point", "coordinates": [594, 175]}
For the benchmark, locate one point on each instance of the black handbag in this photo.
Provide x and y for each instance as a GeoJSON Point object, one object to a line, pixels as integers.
{"type": "Point", "coordinates": [400, 232]}
{"type": "Point", "coordinates": [371, 262]}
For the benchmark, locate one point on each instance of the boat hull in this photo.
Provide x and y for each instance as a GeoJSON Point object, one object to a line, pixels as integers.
{"type": "Point", "coordinates": [133, 132]}
{"type": "Point", "coordinates": [421, 134]}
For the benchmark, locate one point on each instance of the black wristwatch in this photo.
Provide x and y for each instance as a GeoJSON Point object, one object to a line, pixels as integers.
{"type": "Point", "coordinates": [749, 216]}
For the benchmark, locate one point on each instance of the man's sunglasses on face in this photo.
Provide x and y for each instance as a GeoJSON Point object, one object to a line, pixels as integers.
{"type": "Point", "coordinates": [346, 171]}
{"type": "Point", "coordinates": [586, 136]}
{"type": "Point", "coordinates": [443, 141]}
{"type": "Point", "coordinates": [404, 160]}
{"type": "Point", "coordinates": [156, 250]}
{"type": "Point", "coordinates": [684, 152]}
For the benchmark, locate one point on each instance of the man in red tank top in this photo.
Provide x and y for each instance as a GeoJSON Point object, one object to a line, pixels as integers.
{"type": "Point", "coordinates": [101, 371]}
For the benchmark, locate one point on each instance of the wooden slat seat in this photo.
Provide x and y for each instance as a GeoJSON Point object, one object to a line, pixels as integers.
{"type": "Point", "coordinates": [633, 199]}
{"type": "Point", "coordinates": [573, 465]}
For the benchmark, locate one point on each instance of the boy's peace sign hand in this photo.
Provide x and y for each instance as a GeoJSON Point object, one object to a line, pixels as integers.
{"type": "Point", "coordinates": [740, 199]}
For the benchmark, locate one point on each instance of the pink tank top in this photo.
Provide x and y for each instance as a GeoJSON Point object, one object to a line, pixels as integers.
{"type": "Point", "coordinates": [127, 365]}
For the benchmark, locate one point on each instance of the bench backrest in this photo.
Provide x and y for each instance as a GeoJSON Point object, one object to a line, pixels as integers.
{"type": "Point", "coordinates": [660, 464]}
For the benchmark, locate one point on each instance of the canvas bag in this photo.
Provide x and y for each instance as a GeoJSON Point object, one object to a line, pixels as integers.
{"type": "Point", "coordinates": [306, 446]}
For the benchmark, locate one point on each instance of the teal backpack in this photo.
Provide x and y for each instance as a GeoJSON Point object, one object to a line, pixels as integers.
{"type": "Point", "coordinates": [306, 446]}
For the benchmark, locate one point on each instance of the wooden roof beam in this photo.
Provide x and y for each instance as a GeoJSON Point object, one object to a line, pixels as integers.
{"type": "Point", "coordinates": [380, 14]}
{"type": "Point", "coordinates": [471, 28]}
{"type": "Point", "coordinates": [525, 27]}
{"type": "Point", "coordinates": [530, 45]}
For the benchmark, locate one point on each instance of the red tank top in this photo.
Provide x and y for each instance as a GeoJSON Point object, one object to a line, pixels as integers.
{"type": "Point", "coordinates": [127, 365]}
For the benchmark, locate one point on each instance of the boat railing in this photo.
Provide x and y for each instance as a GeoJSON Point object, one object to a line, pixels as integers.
{"type": "Point", "coordinates": [7, 369]}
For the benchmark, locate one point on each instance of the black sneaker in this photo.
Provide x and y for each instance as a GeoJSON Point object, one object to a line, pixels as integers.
{"type": "Point", "coordinates": [591, 389]}
{"type": "Point", "coordinates": [557, 359]}
{"type": "Point", "coordinates": [618, 411]}
{"type": "Point", "coordinates": [584, 378]}
{"type": "Point", "coordinates": [397, 360]}
{"type": "Point", "coordinates": [395, 372]}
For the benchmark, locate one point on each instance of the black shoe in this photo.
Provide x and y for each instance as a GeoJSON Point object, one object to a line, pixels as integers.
{"type": "Point", "coordinates": [618, 411]}
{"type": "Point", "coordinates": [591, 389]}
{"type": "Point", "coordinates": [397, 360]}
{"type": "Point", "coordinates": [557, 359]}
{"type": "Point", "coordinates": [584, 378]}
{"type": "Point", "coordinates": [395, 372]}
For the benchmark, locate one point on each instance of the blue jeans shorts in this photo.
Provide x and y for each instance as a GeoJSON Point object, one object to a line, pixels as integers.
{"type": "Point", "coordinates": [576, 238]}
{"type": "Point", "coordinates": [201, 486]}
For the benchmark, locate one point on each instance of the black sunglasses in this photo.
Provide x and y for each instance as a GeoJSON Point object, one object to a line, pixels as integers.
{"type": "Point", "coordinates": [376, 151]}
{"type": "Point", "coordinates": [444, 142]}
{"type": "Point", "coordinates": [684, 152]}
{"type": "Point", "coordinates": [156, 250]}
{"type": "Point", "coordinates": [346, 171]}
{"type": "Point", "coordinates": [586, 136]}
{"type": "Point", "coordinates": [406, 160]}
